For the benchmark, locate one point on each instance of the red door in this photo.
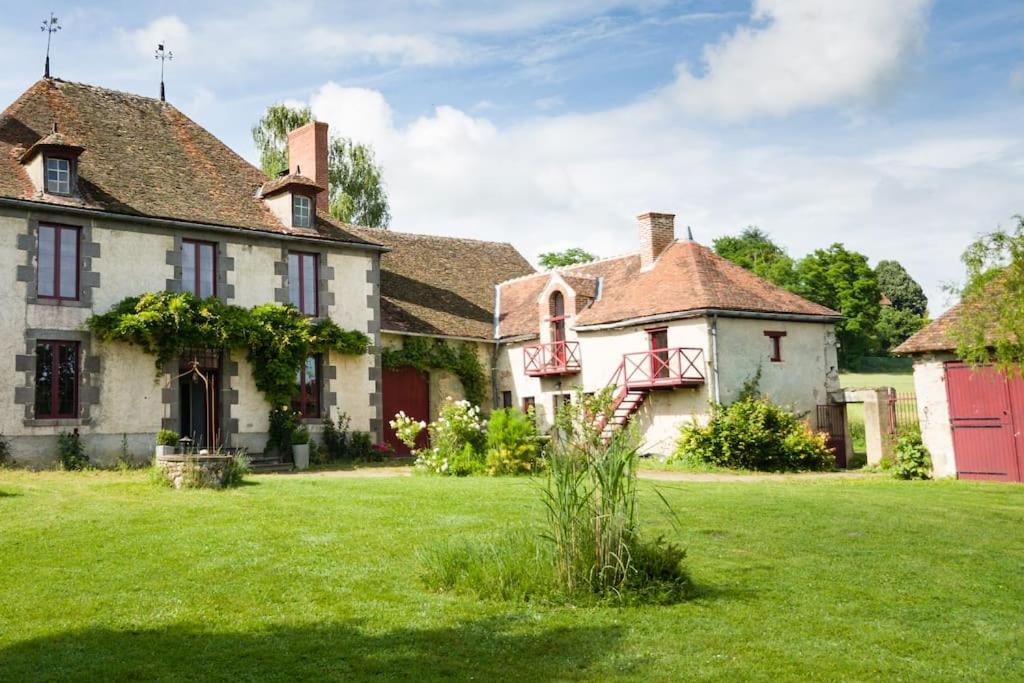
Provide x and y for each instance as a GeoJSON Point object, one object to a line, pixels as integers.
{"type": "Point", "coordinates": [986, 413]}
{"type": "Point", "coordinates": [405, 389]}
{"type": "Point", "coordinates": [659, 356]}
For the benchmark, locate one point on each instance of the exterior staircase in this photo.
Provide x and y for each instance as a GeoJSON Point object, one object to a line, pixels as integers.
{"type": "Point", "coordinates": [641, 373]}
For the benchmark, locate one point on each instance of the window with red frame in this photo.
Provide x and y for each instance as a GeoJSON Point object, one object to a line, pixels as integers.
{"type": "Point", "coordinates": [199, 268]}
{"type": "Point", "coordinates": [776, 341]}
{"type": "Point", "coordinates": [306, 401]}
{"type": "Point", "coordinates": [56, 380]}
{"type": "Point", "coordinates": [57, 265]}
{"type": "Point", "coordinates": [302, 281]}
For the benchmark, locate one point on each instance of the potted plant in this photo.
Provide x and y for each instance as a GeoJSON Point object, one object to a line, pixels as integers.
{"type": "Point", "coordinates": [300, 447]}
{"type": "Point", "coordinates": [166, 441]}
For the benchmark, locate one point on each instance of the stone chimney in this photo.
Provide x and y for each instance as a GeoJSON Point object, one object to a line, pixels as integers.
{"type": "Point", "coordinates": [307, 156]}
{"type": "Point", "coordinates": [657, 231]}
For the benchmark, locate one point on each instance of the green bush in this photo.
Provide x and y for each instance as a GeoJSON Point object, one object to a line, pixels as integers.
{"type": "Point", "coordinates": [912, 458]}
{"type": "Point", "coordinates": [457, 440]}
{"type": "Point", "coordinates": [300, 435]}
{"type": "Point", "coordinates": [336, 438]}
{"type": "Point", "coordinates": [753, 434]}
{"type": "Point", "coordinates": [513, 445]}
{"type": "Point", "coordinates": [5, 451]}
{"type": "Point", "coordinates": [70, 453]}
{"type": "Point", "coordinates": [237, 468]}
{"type": "Point", "coordinates": [360, 446]}
{"type": "Point", "coordinates": [167, 437]}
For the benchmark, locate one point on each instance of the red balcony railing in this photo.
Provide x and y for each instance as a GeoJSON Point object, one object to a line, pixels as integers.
{"type": "Point", "coordinates": [556, 358]}
{"type": "Point", "coordinates": [662, 368]}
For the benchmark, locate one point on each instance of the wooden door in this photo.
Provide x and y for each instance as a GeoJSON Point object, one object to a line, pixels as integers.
{"type": "Point", "coordinates": [406, 390]}
{"type": "Point", "coordinates": [659, 353]}
{"type": "Point", "coordinates": [985, 442]}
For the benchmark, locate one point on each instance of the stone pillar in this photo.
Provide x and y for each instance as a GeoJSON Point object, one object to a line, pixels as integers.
{"type": "Point", "coordinates": [879, 441]}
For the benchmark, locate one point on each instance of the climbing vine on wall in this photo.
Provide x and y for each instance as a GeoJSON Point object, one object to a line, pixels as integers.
{"type": "Point", "coordinates": [277, 338]}
{"type": "Point", "coordinates": [427, 354]}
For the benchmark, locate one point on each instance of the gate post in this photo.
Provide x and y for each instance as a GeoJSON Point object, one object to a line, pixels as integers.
{"type": "Point", "coordinates": [877, 435]}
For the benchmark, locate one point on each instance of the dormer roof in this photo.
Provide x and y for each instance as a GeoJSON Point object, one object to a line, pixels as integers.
{"type": "Point", "coordinates": [291, 181]}
{"type": "Point", "coordinates": [55, 141]}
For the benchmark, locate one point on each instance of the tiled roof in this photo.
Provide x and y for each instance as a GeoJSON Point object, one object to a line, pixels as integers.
{"type": "Point", "coordinates": [442, 285]}
{"type": "Point", "coordinates": [686, 277]}
{"type": "Point", "coordinates": [141, 157]}
{"type": "Point", "coordinates": [935, 336]}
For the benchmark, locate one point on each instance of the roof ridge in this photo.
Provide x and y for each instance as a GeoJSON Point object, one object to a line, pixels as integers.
{"type": "Point", "coordinates": [425, 235]}
{"type": "Point", "coordinates": [562, 269]}
{"type": "Point", "coordinates": [104, 89]}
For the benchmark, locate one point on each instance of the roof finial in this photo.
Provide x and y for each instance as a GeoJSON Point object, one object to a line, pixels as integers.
{"type": "Point", "coordinates": [51, 26]}
{"type": "Point", "coordinates": [689, 233]}
{"type": "Point", "coordinates": [54, 131]}
{"type": "Point", "coordinates": [163, 56]}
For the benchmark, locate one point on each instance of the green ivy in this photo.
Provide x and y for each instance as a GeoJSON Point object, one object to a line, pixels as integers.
{"type": "Point", "coordinates": [277, 338]}
{"type": "Point", "coordinates": [425, 354]}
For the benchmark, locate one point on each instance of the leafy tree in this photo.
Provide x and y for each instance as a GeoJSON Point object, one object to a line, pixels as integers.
{"type": "Point", "coordinates": [990, 326]}
{"type": "Point", "coordinates": [357, 193]}
{"type": "Point", "coordinates": [357, 189]}
{"type": "Point", "coordinates": [569, 257]}
{"type": "Point", "coordinates": [843, 281]}
{"type": "Point", "coordinates": [895, 326]}
{"type": "Point", "coordinates": [754, 250]}
{"type": "Point", "coordinates": [903, 291]}
{"type": "Point", "coordinates": [271, 135]}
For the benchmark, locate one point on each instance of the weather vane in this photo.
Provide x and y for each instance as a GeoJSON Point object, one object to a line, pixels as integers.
{"type": "Point", "coordinates": [163, 55]}
{"type": "Point", "coordinates": [51, 26]}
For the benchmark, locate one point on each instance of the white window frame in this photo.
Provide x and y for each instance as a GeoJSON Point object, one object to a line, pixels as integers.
{"type": "Point", "coordinates": [302, 211]}
{"type": "Point", "coordinates": [60, 183]}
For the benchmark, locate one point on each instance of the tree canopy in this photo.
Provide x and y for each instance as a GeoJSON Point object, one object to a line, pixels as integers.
{"type": "Point", "coordinates": [569, 257]}
{"type": "Point", "coordinates": [990, 326]}
{"type": "Point", "coordinates": [895, 326]}
{"type": "Point", "coordinates": [903, 291]}
{"type": "Point", "coordinates": [357, 193]}
{"type": "Point", "coordinates": [754, 250]}
{"type": "Point", "coordinates": [843, 281]}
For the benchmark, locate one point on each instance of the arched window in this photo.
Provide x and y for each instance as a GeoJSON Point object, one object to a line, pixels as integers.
{"type": "Point", "coordinates": [556, 307]}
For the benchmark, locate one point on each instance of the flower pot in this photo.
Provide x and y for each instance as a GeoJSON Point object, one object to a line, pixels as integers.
{"type": "Point", "coordinates": [300, 453]}
{"type": "Point", "coordinates": [161, 451]}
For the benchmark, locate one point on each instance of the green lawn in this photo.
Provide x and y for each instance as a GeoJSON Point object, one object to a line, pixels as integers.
{"type": "Point", "coordinates": [104, 576]}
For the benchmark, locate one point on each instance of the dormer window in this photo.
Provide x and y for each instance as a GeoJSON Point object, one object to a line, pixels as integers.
{"type": "Point", "coordinates": [58, 175]}
{"type": "Point", "coordinates": [301, 211]}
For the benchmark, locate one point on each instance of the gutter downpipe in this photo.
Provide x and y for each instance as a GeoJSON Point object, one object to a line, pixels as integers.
{"type": "Point", "coordinates": [714, 356]}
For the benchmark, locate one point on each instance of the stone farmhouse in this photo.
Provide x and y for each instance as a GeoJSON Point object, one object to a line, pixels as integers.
{"type": "Point", "coordinates": [105, 195]}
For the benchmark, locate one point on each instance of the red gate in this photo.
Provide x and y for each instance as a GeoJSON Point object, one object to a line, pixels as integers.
{"type": "Point", "coordinates": [986, 412]}
{"type": "Point", "coordinates": [405, 389]}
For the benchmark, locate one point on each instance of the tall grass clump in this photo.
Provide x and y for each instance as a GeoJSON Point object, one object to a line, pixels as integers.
{"type": "Point", "coordinates": [591, 503]}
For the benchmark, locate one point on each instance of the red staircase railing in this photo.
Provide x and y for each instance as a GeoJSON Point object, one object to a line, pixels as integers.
{"type": "Point", "coordinates": [643, 371]}
{"type": "Point", "coordinates": [555, 358]}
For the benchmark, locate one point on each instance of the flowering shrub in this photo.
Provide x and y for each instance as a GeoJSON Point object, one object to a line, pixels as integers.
{"type": "Point", "coordinates": [513, 445]}
{"type": "Point", "coordinates": [407, 429]}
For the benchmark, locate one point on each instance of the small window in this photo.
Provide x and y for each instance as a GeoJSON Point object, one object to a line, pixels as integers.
{"type": "Point", "coordinates": [56, 380]}
{"type": "Point", "coordinates": [57, 265]}
{"type": "Point", "coordinates": [506, 399]}
{"type": "Point", "coordinates": [529, 403]}
{"type": "Point", "coordinates": [301, 211]}
{"type": "Point", "coordinates": [306, 401]}
{"type": "Point", "coordinates": [199, 268]}
{"type": "Point", "coordinates": [58, 175]}
{"type": "Point", "coordinates": [302, 281]}
{"type": "Point", "coordinates": [776, 341]}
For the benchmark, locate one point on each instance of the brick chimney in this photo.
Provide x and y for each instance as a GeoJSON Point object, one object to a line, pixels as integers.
{"type": "Point", "coordinates": [657, 231]}
{"type": "Point", "coordinates": [307, 155]}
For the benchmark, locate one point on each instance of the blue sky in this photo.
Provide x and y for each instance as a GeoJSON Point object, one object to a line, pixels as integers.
{"type": "Point", "coordinates": [893, 126]}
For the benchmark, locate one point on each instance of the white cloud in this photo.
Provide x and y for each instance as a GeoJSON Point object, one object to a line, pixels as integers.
{"type": "Point", "coordinates": [169, 29]}
{"type": "Point", "coordinates": [797, 54]}
{"type": "Point", "coordinates": [581, 179]}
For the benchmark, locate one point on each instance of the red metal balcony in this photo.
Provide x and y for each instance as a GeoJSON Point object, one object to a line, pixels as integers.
{"type": "Point", "coordinates": [550, 360]}
{"type": "Point", "coordinates": [657, 368]}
